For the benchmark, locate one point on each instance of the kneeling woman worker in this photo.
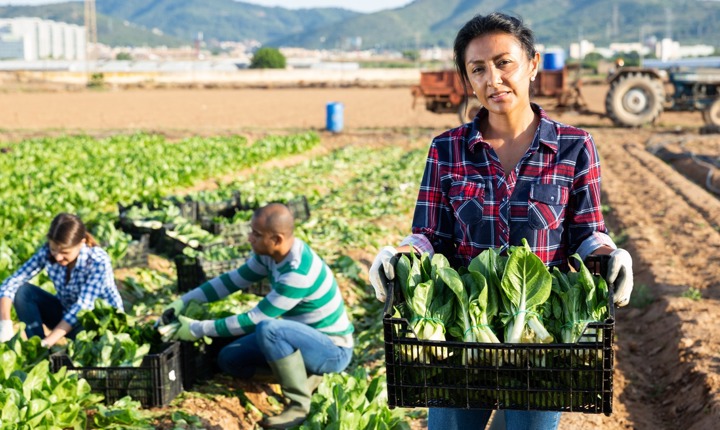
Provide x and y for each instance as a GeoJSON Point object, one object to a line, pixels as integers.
{"type": "Point", "coordinates": [79, 269]}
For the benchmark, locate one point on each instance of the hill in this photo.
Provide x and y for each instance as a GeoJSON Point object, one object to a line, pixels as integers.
{"type": "Point", "coordinates": [421, 23]}
{"type": "Point", "coordinates": [555, 22]}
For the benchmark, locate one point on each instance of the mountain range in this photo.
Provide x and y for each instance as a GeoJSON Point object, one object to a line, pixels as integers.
{"type": "Point", "coordinates": [422, 23]}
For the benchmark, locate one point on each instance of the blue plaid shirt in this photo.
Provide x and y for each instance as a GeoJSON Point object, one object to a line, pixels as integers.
{"type": "Point", "coordinates": [91, 278]}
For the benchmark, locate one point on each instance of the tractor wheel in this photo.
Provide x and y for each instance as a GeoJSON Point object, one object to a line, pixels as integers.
{"type": "Point", "coordinates": [711, 115]}
{"type": "Point", "coordinates": [634, 99]}
{"type": "Point", "coordinates": [468, 109]}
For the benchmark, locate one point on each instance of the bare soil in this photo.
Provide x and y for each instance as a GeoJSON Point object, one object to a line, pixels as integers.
{"type": "Point", "coordinates": [667, 353]}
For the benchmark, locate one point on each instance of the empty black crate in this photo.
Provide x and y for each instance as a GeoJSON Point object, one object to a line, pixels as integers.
{"type": "Point", "coordinates": [552, 377]}
{"type": "Point", "coordinates": [155, 383]}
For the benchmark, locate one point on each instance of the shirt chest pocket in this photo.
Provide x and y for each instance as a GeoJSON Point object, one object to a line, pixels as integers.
{"type": "Point", "coordinates": [466, 199]}
{"type": "Point", "coordinates": [546, 206]}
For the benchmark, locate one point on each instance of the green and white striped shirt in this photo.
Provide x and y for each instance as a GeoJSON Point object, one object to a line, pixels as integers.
{"type": "Point", "coordinates": [303, 289]}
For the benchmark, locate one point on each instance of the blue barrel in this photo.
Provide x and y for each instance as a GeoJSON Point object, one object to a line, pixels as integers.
{"type": "Point", "coordinates": [334, 117]}
{"type": "Point", "coordinates": [553, 60]}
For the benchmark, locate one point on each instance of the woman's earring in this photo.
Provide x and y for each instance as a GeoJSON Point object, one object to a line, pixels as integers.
{"type": "Point", "coordinates": [533, 78]}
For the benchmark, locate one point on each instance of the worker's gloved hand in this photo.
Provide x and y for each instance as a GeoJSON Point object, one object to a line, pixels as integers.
{"type": "Point", "coordinates": [184, 332]}
{"type": "Point", "coordinates": [172, 311]}
{"type": "Point", "coordinates": [6, 330]}
{"type": "Point", "coordinates": [621, 275]}
{"type": "Point", "coordinates": [383, 261]}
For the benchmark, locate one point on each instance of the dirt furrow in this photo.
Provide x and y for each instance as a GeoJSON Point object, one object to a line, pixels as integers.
{"type": "Point", "coordinates": [696, 196]}
{"type": "Point", "coordinates": [666, 361]}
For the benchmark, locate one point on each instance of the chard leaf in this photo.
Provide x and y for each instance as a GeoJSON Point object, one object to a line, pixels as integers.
{"type": "Point", "coordinates": [402, 275]}
{"type": "Point", "coordinates": [526, 281]}
{"type": "Point", "coordinates": [486, 263]}
{"type": "Point", "coordinates": [526, 284]}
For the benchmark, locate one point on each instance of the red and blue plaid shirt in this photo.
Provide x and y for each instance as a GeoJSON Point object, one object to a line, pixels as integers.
{"type": "Point", "coordinates": [467, 203]}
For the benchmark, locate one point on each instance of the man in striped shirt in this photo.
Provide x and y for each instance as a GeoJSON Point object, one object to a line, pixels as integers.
{"type": "Point", "coordinates": [314, 335]}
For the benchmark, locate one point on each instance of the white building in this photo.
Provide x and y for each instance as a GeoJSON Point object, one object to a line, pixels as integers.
{"type": "Point", "coordinates": [665, 50]}
{"type": "Point", "coordinates": [41, 40]}
{"type": "Point", "coordinates": [578, 51]}
{"type": "Point", "coordinates": [622, 48]}
{"type": "Point", "coordinates": [668, 49]}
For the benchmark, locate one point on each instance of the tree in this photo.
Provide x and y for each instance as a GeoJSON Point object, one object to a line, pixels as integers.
{"type": "Point", "coordinates": [591, 60]}
{"type": "Point", "coordinates": [267, 58]}
{"type": "Point", "coordinates": [123, 56]}
{"type": "Point", "coordinates": [411, 54]}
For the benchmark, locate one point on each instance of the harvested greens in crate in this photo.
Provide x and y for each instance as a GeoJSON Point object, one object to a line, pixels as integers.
{"type": "Point", "coordinates": [503, 333]}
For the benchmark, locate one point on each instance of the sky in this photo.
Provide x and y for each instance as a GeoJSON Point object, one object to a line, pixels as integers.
{"type": "Point", "coordinates": [355, 5]}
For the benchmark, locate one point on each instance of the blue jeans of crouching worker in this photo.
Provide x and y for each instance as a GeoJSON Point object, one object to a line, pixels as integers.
{"type": "Point", "coordinates": [35, 307]}
{"type": "Point", "coordinates": [274, 339]}
{"type": "Point", "coordinates": [472, 419]}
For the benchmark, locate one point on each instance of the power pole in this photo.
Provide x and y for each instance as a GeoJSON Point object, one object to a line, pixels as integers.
{"type": "Point", "coordinates": [90, 30]}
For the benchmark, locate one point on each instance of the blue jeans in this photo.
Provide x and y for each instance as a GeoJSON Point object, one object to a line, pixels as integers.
{"type": "Point", "coordinates": [35, 307]}
{"type": "Point", "coordinates": [274, 339]}
{"type": "Point", "coordinates": [462, 419]}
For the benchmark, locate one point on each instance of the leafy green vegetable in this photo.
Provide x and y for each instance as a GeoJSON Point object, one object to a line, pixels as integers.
{"type": "Point", "coordinates": [526, 285]}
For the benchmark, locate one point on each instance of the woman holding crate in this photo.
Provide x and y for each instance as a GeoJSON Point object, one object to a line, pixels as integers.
{"type": "Point", "coordinates": [81, 272]}
{"type": "Point", "coordinates": [510, 174]}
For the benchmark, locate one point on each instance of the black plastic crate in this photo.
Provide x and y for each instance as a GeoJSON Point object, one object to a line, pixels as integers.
{"type": "Point", "coordinates": [300, 208]}
{"type": "Point", "coordinates": [199, 362]}
{"type": "Point", "coordinates": [238, 232]}
{"type": "Point", "coordinates": [574, 377]}
{"type": "Point", "coordinates": [235, 232]}
{"type": "Point", "coordinates": [137, 231]}
{"type": "Point", "coordinates": [173, 246]}
{"type": "Point", "coordinates": [194, 271]}
{"type": "Point", "coordinates": [137, 253]}
{"type": "Point", "coordinates": [224, 208]}
{"type": "Point", "coordinates": [155, 383]}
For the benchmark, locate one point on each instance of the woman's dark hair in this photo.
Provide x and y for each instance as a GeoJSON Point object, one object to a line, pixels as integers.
{"type": "Point", "coordinates": [68, 230]}
{"type": "Point", "coordinates": [481, 25]}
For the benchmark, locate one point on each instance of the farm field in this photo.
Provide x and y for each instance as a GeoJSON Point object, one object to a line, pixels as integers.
{"type": "Point", "coordinates": [361, 185]}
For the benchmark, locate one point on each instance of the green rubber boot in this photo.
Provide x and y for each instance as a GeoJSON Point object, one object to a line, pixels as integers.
{"type": "Point", "coordinates": [313, 382]}
{"type": "Point", "coordinates": [292, 377]}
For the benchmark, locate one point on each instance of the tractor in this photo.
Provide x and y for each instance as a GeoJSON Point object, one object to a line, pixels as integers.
{"type": "Point", "coordinates": [638, 95]}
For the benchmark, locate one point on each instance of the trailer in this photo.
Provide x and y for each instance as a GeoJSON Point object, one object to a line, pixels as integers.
{"type": "Point", "coordinates": [443, 91]}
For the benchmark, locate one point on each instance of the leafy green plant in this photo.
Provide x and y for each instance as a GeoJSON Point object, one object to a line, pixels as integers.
{"type": "Point", "coordinates": [692, 293]}
{"type": "Point", "coordinates": [124, 414]}
{"type": "Point", "coordinates": [352, 401]}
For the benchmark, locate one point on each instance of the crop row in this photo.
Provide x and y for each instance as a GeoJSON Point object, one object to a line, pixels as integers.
{"type": "Point", "coordinates": [88, 176]}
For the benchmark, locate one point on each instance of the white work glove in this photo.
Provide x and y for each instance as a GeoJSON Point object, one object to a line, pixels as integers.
{"type": "Point", "coordinates": [621, 275]}
{"type": "Point", "coordinates": [6, 330]}
{"type": "Point", "coordinates": [382, 262]}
